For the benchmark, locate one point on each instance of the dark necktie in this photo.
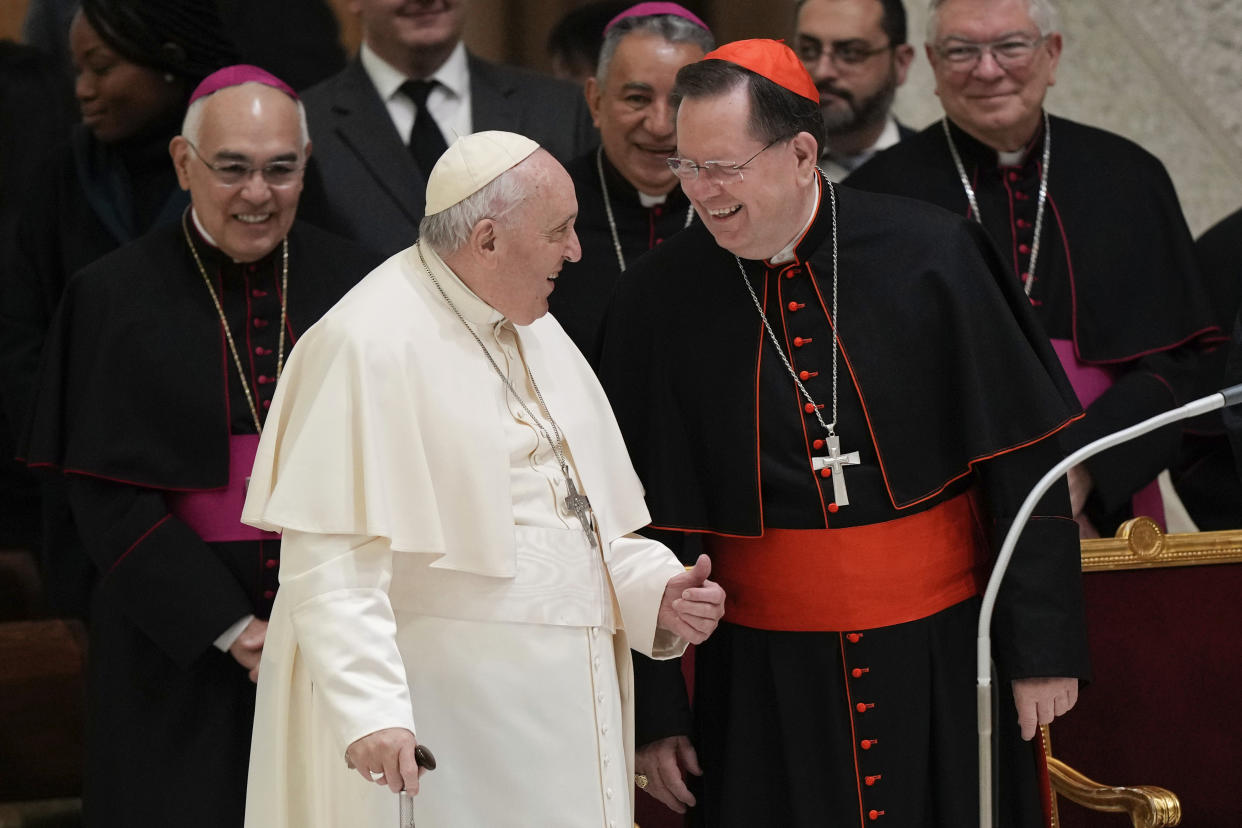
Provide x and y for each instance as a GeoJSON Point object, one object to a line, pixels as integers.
{"type": "Point", "coordinates": [426, 140]}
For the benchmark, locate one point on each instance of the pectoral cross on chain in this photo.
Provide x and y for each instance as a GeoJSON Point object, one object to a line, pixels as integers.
{"type": "Point", "coordinates": [580, 505]}
{"type": "Point", "coordinates": [836, 461]}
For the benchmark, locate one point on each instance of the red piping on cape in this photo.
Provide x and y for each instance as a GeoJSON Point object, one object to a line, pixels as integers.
{"type": "Point", "coordinates": [1074, 307]}
{"type": "Point", "coordinates": [141, 538]}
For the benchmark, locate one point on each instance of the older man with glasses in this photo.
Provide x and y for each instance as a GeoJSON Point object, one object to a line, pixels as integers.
{"type": "Point", "coordinates": [846, 397]}
{"type": "Point", "coordinates": [158, 374]}
{"type": "Point", "coordinates": [857, 54]}
{"type": "Point", "coordinates": [1088, 223]}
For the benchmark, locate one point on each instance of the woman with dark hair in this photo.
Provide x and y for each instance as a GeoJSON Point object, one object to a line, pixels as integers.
{"type": "Point", "coordinates": [135, 63]}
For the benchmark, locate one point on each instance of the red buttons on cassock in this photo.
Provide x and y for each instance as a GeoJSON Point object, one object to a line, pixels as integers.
{"type": "Point", "coordinates": [853, 637]}
{"type": "Point", "coordinates": [1025, 277]}
{"type": "Point", "coordinates": [817, 445]}
{"type": "Point", "coordinates": [269, 594]}
{"type": "Point", "coordinates": [261, 351]}
{"type": "Point", "coordinates": [1022, 196]}
{"type": "Point", "coordinates": [857, 672]}
{"type": "Point", "coordinates": [871, 780]}
{"type": "Point", "coordinates": [271, 563]}
{"type": "Point", "coordinates": [806, 375]}
{"type": "Point", "coordinates": [1024, 249]}
{"type": "Point", "coordinates": [863, 707]}
{"type": "Point", "coordinates": [264, 379]}
{"type": "Point", "coordinates": [260, 323]}
{"type": "Point", "coordinates": [825, 472]}
{"type": "Point", "coordinates": [792, 272]}
{"type": "Point", "coordinates": [809, 408]}
{"type": "Point", "coordinates": [258, 293]}
{"type": "Point", "coordinates": [795, 306]}
{"type": "Point", "coordinates": [252, 268]}
{"type": "Point", "coordinates": [1013, 176]}
{"type": "Point", "coordinates": [867, 743]}
{"type": "Point", "coordinates": [267, 403]}
{"type": "Point", "coordinates": [832, 507]}
{"type": "Point", "coordinates": [1023, 223]}
{"type": "Point", "coordinates": [799, 341]}
{"type": "Point", "coordinates": [874, 815]}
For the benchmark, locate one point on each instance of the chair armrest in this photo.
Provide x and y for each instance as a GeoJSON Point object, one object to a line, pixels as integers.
{"type": "Point", "coordinates": [1148, 806]}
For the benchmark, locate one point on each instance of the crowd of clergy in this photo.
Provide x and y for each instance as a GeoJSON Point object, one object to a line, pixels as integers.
{"type": "Point", "coordinates": [396, 422]}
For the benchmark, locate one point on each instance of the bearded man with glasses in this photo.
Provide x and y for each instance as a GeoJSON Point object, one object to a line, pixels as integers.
{"type": "Point", "coordinates": [1088, 223]}
{"type": "Point", "coordinates": [157, 376]}
{"type": "Point", "coordinates": [846, 397]}
{"type": "Point", "coordinates": [857, 54]}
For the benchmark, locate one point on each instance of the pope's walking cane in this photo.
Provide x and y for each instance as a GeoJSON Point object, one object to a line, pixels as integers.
{"type": "Point", "coordinates": [1229, 396]}
{"type": "Point", "coordinates": [424, 759]}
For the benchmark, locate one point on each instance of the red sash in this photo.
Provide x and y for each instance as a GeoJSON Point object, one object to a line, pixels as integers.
{"type": "Point", "coordinates": [855, 578]}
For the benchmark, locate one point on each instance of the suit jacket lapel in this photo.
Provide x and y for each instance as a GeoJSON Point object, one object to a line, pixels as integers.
{"type": "Point", "coordinates": [365, 128]}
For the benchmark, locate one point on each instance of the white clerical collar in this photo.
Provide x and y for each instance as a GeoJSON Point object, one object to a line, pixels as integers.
{"type": "Point", "coordinates": [651, 200]}
{"type": "Point", "coordinates": [1011, 159]}
{"type": "Point", "coordinates": [787, 252]}
{"type": "Point", "coordinates": [202, 231]}
{"type": "Point", "coordinates": [837, 167]}
{"type": "Point", "coordinates": [459, 293]}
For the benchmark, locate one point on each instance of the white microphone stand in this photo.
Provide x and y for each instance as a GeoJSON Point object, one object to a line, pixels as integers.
{"type": "Point", "coordinates": [983, 671]}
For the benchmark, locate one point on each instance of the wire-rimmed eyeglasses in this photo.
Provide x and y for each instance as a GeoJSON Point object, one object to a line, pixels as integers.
{"type": "Point", "coordinates": [232, 173]}
{"type": "Point", "coordinates": [841, 53]}
{"type": "Point", "coordinates": [1009, 52]}
{"type": "Point", "coordinates": [717, 171]}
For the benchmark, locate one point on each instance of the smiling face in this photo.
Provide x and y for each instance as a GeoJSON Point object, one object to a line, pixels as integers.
{"type": "Point", "coordinates": [119, 99]}
{"type": "Point", "coordinates": [532, 241]}
{"type": "Point", "coordinates": [999, 106]}
{"type": "Point", "coordinates": [415, 36]}
{"type": "Point", "coordinates": [251, 125]}
{"type": "Point", "coordinates": [632, 109]}
{"type": "Point", "coordinates": [758, 213]}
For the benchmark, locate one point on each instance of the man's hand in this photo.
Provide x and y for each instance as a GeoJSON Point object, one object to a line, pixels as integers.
{"type": "Point", "coordinates": [663, 762]}
{"type": "Point", "coordinates": [248, 647]}
{"type": "Point", "coordinates": [1080, 486]}
{"type": "Point", "coordinates": [1040, 700]}
{"type": "Point", "coordinates": [386, 757]}
{"type": "Point", "coordinates": [692, 605]}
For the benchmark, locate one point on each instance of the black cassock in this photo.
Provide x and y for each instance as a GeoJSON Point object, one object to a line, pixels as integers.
{"type": "Point", "coordinates": [945, 384]}
{"type": "Point", "coordinates": [585, 287]}
{"type": "Point", "coordinates": [137, 401]}
{"type": "Point", "coordinates": [1116, 274]}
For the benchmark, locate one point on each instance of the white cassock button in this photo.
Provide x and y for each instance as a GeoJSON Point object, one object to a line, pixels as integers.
{"type": "Point", "coordinates": [608, 793]}
{"type": "Point", "coordinates": [599, 697]}
{"type": "Point", "coordinates": [612, 823]}
{"type": "Point", "coordinates": [604, 730]}
{"type": "Point", "coordinates": [595, 661]}
{"type": "Point", "coordinates": [606, 760]}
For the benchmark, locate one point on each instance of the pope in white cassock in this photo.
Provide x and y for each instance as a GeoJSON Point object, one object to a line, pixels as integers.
{"type": "Point", "coordinates": [458, 564]}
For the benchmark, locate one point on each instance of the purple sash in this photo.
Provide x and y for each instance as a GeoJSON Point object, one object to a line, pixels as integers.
{"type": "Point", "coordinates": [215, 514]}
{"type": "Point", "coordinates": [1089, 382]}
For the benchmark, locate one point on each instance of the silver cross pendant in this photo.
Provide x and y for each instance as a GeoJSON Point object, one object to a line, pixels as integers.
{"type": "Point", "coordinates": [580, 505]}
{"type": "Point", "coordinates": [836, 462]}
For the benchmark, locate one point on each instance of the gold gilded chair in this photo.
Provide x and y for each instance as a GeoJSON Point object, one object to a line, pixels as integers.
{"type": "Point", "coordinates": [1164, 614]}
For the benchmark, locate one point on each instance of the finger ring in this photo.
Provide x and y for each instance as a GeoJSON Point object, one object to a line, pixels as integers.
{"type": "Point", "coordinates": [640, 779]}
{"type": "Point", "coordinates": [376, 775]}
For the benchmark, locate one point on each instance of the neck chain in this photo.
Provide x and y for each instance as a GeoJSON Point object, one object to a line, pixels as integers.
{"type": "Point", "coordinates": [577, 503]}
{"type": "Point", "coordinates": [224, 323]}
{"type": "Point", "coordinates": [835, 461]}
{"type": "Point", "coordinates": [612, 222]}
{"type": "Point", "coordinates": [1043, 193]}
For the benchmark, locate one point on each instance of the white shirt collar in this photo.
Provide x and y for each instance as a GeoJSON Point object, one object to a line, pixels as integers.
{"type": "Point", "coordinates": [786, 253]}
{"type": "Point", "coordinates": [837, 167]}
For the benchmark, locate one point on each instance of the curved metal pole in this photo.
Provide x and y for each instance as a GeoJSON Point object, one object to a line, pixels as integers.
{"type": "Point", "coordinates": [983, 653]}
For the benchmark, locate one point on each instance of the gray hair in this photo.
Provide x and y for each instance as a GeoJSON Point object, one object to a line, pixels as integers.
{"type": "Point", "coordinates": [192, 124]}
{"type": "Point", "coordinates": [448, 230]}
{"type": "Point", "coordinates": [672, 28]}
{"type": "Point", "coordinates": [1043, 14]}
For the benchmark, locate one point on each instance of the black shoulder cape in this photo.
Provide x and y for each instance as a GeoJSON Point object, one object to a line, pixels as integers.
{"type": "Point", "coordinates": [134, 377]}
{"type": "Point", "coordinates": [938, 338]}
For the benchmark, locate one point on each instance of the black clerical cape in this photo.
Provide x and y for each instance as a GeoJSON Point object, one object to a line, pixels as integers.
{"type": "Point", "coordinates": [946, 387]}
{"type": "Point", "coordinates": [585, 287]}
{"type": "Point", "coordinates": [1116, 274]}
{"type": "Point", "coordinates": [137, 402]}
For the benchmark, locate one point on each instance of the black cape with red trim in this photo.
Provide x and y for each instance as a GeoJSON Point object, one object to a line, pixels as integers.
{"type": "Point", "coordinates": [138, 397]}
{"type": "Point", "coordinates": [1116, 273]}
{"type": "Point", "coordinates": [137, 348]}
{"type": "Point", "coordinates": [682, 342]}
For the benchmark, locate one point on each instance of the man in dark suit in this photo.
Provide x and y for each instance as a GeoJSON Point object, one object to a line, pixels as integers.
{"type": "Point", "coordinates": [378, 126]}
{"type": "Point", "coordinates": [857, 54]}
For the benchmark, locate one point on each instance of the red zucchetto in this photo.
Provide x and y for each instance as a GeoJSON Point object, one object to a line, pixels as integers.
{"type": "Point", "coordinates": [773, 60]}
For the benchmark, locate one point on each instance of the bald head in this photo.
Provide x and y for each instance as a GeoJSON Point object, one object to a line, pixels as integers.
{"type": "Point", "coordinates": [241, 155]}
